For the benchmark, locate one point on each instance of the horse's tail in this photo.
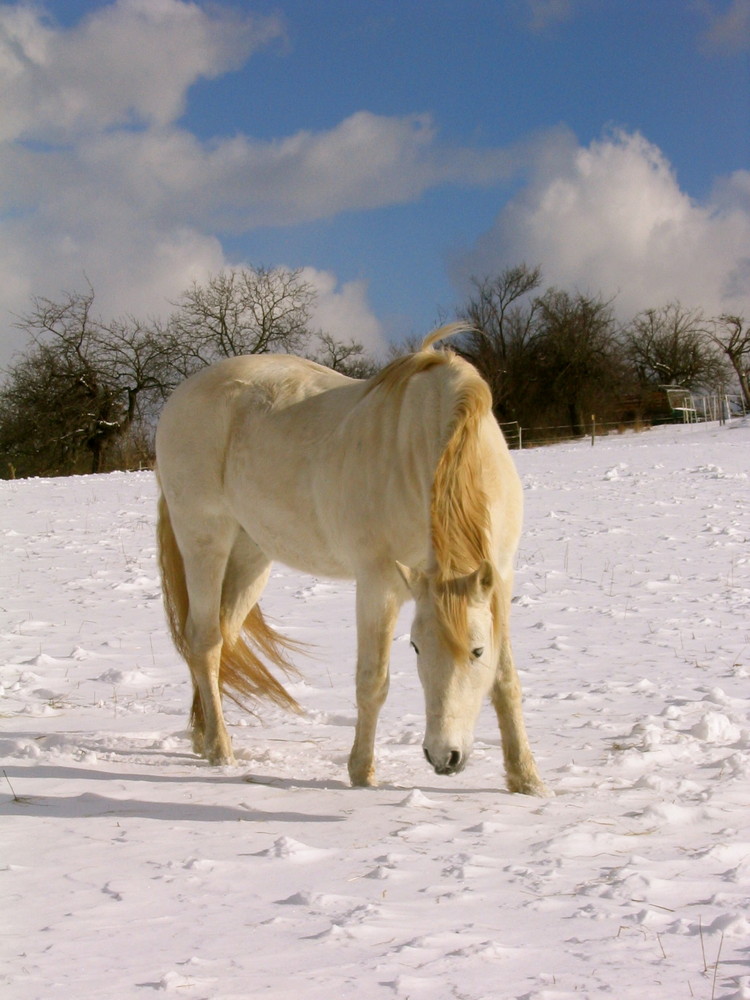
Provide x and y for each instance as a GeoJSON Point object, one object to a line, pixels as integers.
{"type": "Point", "coordinates": [173, 585]}
{"type": "Point", "coordinates": [242, 676]}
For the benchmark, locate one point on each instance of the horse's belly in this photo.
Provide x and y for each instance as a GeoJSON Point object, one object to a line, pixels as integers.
{"type": "Point", "coordinates": [334, 540]}
{"type": "Point", "coordinates": [296, 552]}
{"type": "Point", "coordinates": [291, 534]}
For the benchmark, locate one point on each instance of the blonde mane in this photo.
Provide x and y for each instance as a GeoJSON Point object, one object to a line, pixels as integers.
{"type": "Point", "coordinates": [459, 507]}
{"type": "Point", "coordinates": [460, 515]}
{"type": "Point", "coordinates": [397, 374]}
{"type": "Point", "coordinates": [459, 511]}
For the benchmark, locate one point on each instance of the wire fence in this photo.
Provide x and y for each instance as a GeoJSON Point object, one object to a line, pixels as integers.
{"type": "Point", "coordinates": [697, 409]}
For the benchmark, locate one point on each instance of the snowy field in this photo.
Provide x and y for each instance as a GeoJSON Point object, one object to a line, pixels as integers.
{"type": "Point", "coordinates": [129, 868]}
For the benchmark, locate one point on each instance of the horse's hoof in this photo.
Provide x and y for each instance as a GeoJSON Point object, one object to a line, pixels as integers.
{"type": "Point", "coordinates": [364, 779]}
{"type": "Point", "coordinates": [221, 759]}
{"type": "Point", "coordinates": [366, 783]}
{"type": "Point", "coordinates": [530, 786]}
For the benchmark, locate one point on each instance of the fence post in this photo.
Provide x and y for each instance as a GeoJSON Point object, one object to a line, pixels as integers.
{"type": "Point", "coordinates": [593, 429]}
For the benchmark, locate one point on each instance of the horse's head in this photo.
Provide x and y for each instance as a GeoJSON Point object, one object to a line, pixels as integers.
{"type": "Point", "coordinates": [454, 637]}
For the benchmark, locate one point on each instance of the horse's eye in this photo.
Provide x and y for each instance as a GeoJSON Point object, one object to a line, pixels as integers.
{"type": "Point", "coordinates": [414, 647]}
{"type": "Point", "coordinates": [476, 653]}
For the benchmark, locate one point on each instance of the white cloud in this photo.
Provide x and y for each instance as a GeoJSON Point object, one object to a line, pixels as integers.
{"type": "Point", "coordinates": [135, 267]}
{"type": "Point", "coordinates": [343, 311]}
{"type": "Point", "coordinates": [728, 30]}
{"type": "Point", "coordinates": [543, 13]}
{"type": "Point", "coordinates": [128, 62]}
{"type": "Point", "coordinates": [123, 206]}
{"type": "Point", "coordinates": [97, 178]}
{"type": "Point", "coordinates": [122, 73]}
{"type": "Point", "coordinates": [611, 218]}
{"type": "Point", "coordinates": [237, 183]}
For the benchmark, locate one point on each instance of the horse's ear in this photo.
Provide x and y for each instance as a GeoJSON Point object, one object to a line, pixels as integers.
{"type": "Point", "coordinates": [405, 573]}
{"type": "Point", "coordinates": [413, 578]}
{"type": "Point", "coordinates": [481, 581]}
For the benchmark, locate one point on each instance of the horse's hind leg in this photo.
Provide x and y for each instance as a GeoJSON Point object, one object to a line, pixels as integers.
{"type": "Point", "coordinates": [205, 558]}
{"type": "Point", "coordinates": [223, 588]}
{"type": "Point", "coordinates": [520, 767]}
{"type": "Point", "coordinates": [245, 578]}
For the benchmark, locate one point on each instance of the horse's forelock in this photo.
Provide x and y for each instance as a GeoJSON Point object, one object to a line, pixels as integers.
{"type": "Point", "coordinates": [451, 600]}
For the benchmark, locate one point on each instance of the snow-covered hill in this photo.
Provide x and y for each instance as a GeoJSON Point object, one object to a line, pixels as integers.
{"type": "Point", "coordinates": [129, 866]}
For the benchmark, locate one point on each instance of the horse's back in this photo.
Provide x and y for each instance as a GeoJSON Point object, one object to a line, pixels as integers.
{"type": "Point", "coordinates": [266, 381]}
{"type": "Point", "coordinates": [198, 419]}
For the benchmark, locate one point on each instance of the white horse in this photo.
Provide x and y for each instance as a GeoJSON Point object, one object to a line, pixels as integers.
{"type": "Point", "coordinates": [402, 482]}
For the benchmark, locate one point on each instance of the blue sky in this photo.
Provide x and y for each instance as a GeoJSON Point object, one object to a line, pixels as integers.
{"type": "Point", "coordinates": [391, 148]}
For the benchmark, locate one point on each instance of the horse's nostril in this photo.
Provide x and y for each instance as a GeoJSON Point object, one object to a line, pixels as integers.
{"type": "Point", "coordinates": [448, 763]}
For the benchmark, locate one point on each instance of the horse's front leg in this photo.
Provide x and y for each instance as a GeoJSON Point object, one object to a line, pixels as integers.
{"type": "Point", "coordinates": [521, 773]}
{"type": "Point", "coordinates": [377, 609]}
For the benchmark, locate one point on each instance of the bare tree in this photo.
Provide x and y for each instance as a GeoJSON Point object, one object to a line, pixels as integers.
{"type": "Point", "coordinates": [80, 386]}
{"type": "Point", "coordinates": [551, 358]}
{"type": "Point", "coordinates": [503, 317]}
{"type": "Point", "coordinates": [249, 310]}
{"type": "Point", "coordinates": [409, 344]}
{"type": "Point", "coordinates": [494, 309]}
{"type": "Point", "coordinates": [669, 346]}
{"type": "Point", "coordinates": [55, 415]}
{"type": "Point", "coordinates": [575, 356]}
{"type": "Point", "coordinates": [139, 359]}
{"type": "Point", "coordinates": [86, 386]}
{"type": "Point", "coordinates": [731, 335]}
{"type": "Point", "coordinates": [348, 358]}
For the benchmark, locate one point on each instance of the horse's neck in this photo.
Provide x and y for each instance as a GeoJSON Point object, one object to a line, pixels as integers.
{"type": "Point", "coordinates": [411, 422]}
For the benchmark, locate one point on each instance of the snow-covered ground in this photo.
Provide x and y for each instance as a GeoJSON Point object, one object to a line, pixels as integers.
{"type": "Point", "coordinates": [130, 867]}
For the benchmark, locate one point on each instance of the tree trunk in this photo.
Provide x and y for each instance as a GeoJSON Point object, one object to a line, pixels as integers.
{"type": "Point", "coordinates": [95, 447]}
{"type": "Point", "coordinates": [574, 416]}
{"type": "Point", "coordinates": [742, 379]}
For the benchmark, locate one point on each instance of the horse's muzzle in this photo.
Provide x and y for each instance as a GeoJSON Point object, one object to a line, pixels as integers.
{"type": "Point", "coordinates": [451, 762]}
